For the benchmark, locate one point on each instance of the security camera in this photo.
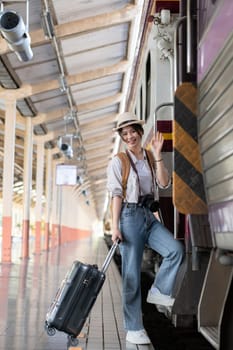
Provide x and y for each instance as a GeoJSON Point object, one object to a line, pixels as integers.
{"type": "Point", "coordinates": [67, 150]}
{"type": "Point", "coordinates": [13, 30]}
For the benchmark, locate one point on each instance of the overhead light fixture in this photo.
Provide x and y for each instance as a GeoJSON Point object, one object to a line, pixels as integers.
{"type": "Point", "coordinates": [14, 31]}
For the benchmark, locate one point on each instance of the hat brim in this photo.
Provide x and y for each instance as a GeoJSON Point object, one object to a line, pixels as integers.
{"type": "Point", "coordinates": [132, 122]}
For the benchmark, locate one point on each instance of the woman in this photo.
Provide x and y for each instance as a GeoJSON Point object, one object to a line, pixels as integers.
{"type": "Point", "coordinates": [135, 225]}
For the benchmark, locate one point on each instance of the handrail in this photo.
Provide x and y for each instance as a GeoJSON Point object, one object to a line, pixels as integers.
{"type": "Point", "coordinates": [168, 104]}
{"type": "Point", "coordinates": [179, 22]}
{"type": "Point", "coordinates": [165, 104]}
{"type": "Point", "coordinates": [188, 36]}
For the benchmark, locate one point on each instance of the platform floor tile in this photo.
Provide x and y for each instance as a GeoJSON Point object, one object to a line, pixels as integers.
{"type": "Point", "coordinates": [27, 288]}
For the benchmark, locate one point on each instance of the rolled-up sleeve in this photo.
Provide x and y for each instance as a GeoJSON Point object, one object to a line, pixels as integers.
{"type": "Point", "coordinates": [166, 186]}
{"type": "Point", "coordinates": [114, 177]}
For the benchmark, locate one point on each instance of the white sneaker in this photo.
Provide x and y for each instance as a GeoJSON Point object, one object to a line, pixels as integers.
{"type": "Point", "coordinates": [161, 308]}
{"type": "Point", "coordinates": [138, 337]}
{"type": "Point", "coordinates": [158, 298]}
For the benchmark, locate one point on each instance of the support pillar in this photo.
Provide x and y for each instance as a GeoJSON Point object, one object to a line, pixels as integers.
{"type": "Point", "coordinates": [56, 211]}
{"type": "Point", "coordinates": [59, 214]}
{"type": "Point", "coordinates": [27, 180]}
{"type": "Point", "coordinates": [8, 179]}
{"type": "Point", "coordinates": [39, 193]}
{"type": "Point", "coordinates": [49, 187]}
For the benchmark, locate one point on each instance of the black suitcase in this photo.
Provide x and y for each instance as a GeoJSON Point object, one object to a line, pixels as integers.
{"type": "Point", "coordinates": [75, 298]}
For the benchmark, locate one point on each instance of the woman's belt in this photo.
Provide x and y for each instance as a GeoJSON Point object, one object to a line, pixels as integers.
{"type": "Point", "coordinates": [146, 201]}
{"type": "Point", "coordinates": [132, 205]}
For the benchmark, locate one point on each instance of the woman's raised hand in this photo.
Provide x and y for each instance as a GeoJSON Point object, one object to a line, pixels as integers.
{"type": "Point", "coordinates": [157, 143]}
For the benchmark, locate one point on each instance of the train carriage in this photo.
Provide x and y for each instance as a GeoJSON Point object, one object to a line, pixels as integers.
{"type": "Point", "coordinates": [184, 89]}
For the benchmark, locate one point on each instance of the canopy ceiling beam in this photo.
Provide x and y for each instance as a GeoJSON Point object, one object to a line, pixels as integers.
{"type": "Point", "coordinates": [29, 90]}
{"type": "Point", "coordinates": [56, 114]}
{"type": "Point", "coordinates": [64, 30]}
{"type": "Point", "coordinates": [101, 120]}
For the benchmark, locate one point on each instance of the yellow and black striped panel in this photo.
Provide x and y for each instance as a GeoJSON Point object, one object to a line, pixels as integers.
{"type": "Point", "coordinates": [188, 186]}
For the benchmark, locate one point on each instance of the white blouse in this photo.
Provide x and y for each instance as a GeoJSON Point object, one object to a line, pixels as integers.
{"type": "Point", "coordinates": [114, 179]}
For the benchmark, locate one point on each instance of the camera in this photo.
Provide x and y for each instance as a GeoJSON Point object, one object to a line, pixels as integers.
{"type": "Point", "coordinates": [67, 150]}
{"type": "Point", "coordinates": [66, 147]}
{"type": "Point", "coordinates": [149, 202]}
{"type": "Point", "coordinates": [13, 30]}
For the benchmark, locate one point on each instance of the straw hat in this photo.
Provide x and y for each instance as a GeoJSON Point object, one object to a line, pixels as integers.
{"type": "Point", "coordinates": [126, 119]}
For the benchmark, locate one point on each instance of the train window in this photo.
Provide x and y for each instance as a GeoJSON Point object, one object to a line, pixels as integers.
{"type": "Point", "coordinates": [148, 87]}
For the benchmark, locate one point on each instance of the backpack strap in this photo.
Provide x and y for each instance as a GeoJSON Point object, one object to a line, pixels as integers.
{"type": "Point", "coordinates": [125, 163]}
{"type": "Point", "coordinates": [125, 166]}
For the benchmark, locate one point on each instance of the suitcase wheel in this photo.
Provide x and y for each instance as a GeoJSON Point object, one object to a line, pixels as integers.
{"type": "Point", "coordinates": [50, 330]}
{"type": "Point", "coordinates": [72, 340]}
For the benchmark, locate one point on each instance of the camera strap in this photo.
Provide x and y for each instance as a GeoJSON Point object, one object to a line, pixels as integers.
{"type": "Point", "coordinates": [135, 169]}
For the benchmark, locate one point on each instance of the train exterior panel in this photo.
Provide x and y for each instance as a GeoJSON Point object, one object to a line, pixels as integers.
{"type": "Point", "coordinates": [216, 120]}
{"type": "Point", "coordinates": [215, 139]}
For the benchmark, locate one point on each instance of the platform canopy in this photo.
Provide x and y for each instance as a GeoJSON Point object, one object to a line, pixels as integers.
{"type": "Point", "coordinates": [77, 82]}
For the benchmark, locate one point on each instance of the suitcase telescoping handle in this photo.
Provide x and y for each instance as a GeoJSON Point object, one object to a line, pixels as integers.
{"type": "Point", "coordinates": [109, 256]}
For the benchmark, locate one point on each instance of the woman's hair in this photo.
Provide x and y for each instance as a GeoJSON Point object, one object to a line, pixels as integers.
{"type": "Point", "coordinates": [137, 127]}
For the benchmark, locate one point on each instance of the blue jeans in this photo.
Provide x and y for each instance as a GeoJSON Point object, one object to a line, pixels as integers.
{"type": "Point", "coordinates": [139, 226]}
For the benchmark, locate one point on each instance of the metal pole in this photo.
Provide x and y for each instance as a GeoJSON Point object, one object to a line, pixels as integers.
{"type": "Point", "coordinates": [188, 36]}
{"type": "Point", "coordinates": [176, 58]}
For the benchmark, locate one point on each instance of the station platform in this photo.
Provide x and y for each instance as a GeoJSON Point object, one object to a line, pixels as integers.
{"type": "Point", "coordinates": [27, 288]}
